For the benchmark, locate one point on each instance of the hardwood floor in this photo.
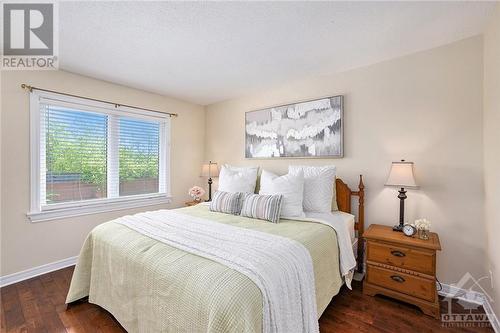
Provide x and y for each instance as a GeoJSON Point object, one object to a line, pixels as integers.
{"type": "Point", "coordinates": [37, 305]}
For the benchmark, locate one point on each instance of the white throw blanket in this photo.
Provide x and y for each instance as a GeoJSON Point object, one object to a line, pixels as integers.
{"type": "Point", "coordinates": [347, 259]}
{"type": "Point", "coordinates": [281, 268]}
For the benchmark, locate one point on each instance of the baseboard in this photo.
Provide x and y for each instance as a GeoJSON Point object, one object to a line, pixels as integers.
{"type": "Point", "coordinates": [463, 294]}
{"type": "Point", "coordinates": [492, 316]}
{"type": "Point", "coordinates": [36, 271]}
{"type": "Point", "coordinates": [472, 297]}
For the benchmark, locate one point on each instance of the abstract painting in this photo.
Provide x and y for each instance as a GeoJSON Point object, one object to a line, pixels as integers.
{"type": "Point", "coordinates": [306, 129]}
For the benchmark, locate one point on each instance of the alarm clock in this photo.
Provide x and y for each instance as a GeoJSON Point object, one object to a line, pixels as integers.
{"type": "Point", "coordinates": [409, 230]}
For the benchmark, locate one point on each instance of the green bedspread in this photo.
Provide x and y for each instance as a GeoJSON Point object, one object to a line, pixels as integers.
{"type": "Point", "coordinates": [152, 287]}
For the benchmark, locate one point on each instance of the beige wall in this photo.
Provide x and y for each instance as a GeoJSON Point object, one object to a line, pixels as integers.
{"type": "Point", "coordinates": [492, 147]}
{"type": "Point", "coordinates": [426, 108]}
{"type": "Point", "coordinates": [26, 245]}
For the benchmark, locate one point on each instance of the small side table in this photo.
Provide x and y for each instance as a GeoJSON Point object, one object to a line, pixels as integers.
{"type": "Point", "coordinates": [402, 267]}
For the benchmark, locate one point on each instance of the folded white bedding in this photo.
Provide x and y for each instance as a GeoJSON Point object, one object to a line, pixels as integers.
{"type": "Point", "coordinates": [338, 221]}
{"type": "Point", "coordinates": [348, 219]}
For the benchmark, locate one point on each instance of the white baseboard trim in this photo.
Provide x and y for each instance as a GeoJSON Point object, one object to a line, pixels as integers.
{"type": "Point", "coordinates": [472, 297]}
{"type": "Point", "coordinates": [36, 271]}
{"type": "Point", "coordinates": [491, 316]}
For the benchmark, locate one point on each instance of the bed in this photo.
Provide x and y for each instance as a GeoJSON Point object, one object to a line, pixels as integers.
{"type": "Point", "coordinates": [150, 286]}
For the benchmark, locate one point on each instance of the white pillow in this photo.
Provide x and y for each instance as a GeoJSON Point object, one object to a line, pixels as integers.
{"type": "Point", "coordinates": [319, 187]}
{"type": "Point", "coordinates": [237, 179]}
{"type": "Point", "coordinates": [290, 186]}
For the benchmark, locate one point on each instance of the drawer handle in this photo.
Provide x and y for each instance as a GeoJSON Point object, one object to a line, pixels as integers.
{"type": "Point", "coordinates": [398, 278]}
{"type": "Point", "coordinates": [398, 254]}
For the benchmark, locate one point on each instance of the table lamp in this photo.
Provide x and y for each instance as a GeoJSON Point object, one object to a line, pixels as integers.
{"type": "Point", "coordinates": [401, 175]}
{"type": "Point", "coordinates": [210, 170]}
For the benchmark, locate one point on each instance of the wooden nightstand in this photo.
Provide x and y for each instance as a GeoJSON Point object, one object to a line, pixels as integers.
{"type": "Point", "coordinates": [192, 203]}
{"type": "Point", "coordinates": [402, 267]}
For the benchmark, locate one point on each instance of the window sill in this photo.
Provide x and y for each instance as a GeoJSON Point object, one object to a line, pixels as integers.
{"type": "Point", "coordinates": [97, 206]}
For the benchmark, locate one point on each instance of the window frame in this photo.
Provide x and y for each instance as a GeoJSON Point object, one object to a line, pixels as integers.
{"type": "Point", "coordinates": [39, 212]}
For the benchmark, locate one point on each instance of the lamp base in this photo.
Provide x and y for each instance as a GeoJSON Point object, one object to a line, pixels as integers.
{"type": "Point", "coordinates": [398, 227]}
{"type": "Point", "coordinates": [209, 189]}
{"type": "Point", "coordinates": [401, 224]}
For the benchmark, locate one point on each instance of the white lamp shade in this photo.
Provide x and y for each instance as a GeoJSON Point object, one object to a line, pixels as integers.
{"type": "Point", "coordinates": [210, 170]}
{"type": "Point", "coordinates": [401, 175]}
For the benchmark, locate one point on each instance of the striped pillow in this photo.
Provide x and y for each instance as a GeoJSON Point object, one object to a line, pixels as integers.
{"type": "Point", "coordinates": [226, 202]}
{"type": "Point", "coordinates": [263, 207]}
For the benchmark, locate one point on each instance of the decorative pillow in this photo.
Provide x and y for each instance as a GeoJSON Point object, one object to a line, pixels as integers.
{"type": "Point", "coordinates": [225, 202]}
{"type": "Point", "coordinates": [290, 186]}
{"type": "Point", "coordinates": [262, 207]}
{"type": "Point", "coordinates": [236, 179]}
{"type": "Point", "coordinates": [319, 187]}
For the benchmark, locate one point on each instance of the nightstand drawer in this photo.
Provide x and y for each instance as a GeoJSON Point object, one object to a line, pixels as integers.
{"type": "Point", "coordinates": [396, 255]}
{"type": "Point", "coordinates": [401, 282]}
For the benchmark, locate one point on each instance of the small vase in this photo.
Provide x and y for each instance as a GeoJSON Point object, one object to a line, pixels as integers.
{"type": "Point", "coordinates": [423, 234]}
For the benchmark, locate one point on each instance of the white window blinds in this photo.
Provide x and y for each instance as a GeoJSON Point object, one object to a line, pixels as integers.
{"type": "Point", "coordinates": [139, 153]}
{"type": "Point", "coordinates": [75, 154]}
{"type": "Point", "coordinates": [89, 151]}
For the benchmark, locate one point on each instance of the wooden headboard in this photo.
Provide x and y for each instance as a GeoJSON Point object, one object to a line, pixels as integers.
{"type": "Point", "coordinates": [344, 195]}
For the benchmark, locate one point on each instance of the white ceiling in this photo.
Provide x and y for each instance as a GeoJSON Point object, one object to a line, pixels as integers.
{"type": "Point", "coordinates": [205, 52]}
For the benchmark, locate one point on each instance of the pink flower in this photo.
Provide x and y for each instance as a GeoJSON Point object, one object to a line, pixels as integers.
{"type": "Point", "coordinates": [196, 192]}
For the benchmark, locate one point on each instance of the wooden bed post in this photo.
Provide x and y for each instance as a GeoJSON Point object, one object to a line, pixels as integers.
{"type": "Point", "coordinates": [344, 195]}
{"type": "Point", "coordinates": [361, 222]}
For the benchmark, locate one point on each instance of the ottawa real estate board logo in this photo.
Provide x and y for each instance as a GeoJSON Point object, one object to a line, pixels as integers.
{"type": "Point", "coordinates": [29, 36]}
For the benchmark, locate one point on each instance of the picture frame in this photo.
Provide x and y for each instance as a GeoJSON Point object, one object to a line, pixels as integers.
{"type": "Point", "coordinates": [306, 129]}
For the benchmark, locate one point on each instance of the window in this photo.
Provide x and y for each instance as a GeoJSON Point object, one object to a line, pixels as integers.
{"type": "Point", "coordinates": [89, 157]}
{"type": "Point", "coordinates": [139, 156]}
{"type": "Point", "coordinates": [75, 150]}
